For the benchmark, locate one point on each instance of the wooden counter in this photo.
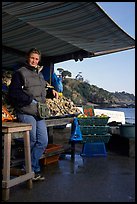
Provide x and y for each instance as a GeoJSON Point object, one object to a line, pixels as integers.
{"type": "Point", "coordinates": [58, 121]}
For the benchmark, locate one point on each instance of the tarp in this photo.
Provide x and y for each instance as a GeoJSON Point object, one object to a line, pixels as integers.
{"type": "Point", "coordinates": [61, 30]}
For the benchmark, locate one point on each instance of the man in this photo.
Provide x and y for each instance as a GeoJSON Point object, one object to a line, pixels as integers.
{"type": "Point", "coordinates": [27, 88]}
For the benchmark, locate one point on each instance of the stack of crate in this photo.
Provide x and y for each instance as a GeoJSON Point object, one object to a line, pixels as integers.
{"type": "Point", "coordinates": [95, 133]}
{"type": "Point", "coordinates": [51, 154]}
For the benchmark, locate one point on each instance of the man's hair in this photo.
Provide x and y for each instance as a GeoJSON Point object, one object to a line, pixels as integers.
{"type": "Point", "coordinates": [34, 50]}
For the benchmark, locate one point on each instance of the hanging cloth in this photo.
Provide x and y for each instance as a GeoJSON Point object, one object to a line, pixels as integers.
{"type": "Point", "coordinates": [76, 134]}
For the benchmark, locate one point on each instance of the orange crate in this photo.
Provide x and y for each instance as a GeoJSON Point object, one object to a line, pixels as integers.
{"type": "Point", "coordinates": [49, 160]}
{"type": "Point", "coordinates": [52, 148]}
{"type": "Point", "coordinates": [51, 154]}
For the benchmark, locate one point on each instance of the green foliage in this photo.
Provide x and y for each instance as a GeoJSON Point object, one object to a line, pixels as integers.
{"type": "Point", "coordinates": [66, 73]}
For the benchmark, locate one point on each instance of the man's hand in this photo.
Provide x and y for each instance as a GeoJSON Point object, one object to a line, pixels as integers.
{"type": "Point", "coordinates": [55, 94]}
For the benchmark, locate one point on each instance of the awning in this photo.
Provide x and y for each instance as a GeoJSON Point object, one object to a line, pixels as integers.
{"type": "Point", "coordinates": [61, 30]}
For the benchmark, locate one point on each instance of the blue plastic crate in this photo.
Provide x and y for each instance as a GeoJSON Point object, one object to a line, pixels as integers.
{"type": "Point", "coordinates": [94, 149]}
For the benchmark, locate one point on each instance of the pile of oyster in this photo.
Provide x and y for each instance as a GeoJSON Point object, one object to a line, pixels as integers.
{"type": "Point", "coordinates": [61, 106]}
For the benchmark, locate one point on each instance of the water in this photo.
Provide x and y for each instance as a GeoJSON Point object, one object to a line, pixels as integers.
{"type": "Point", "coordinates": [129, 113]}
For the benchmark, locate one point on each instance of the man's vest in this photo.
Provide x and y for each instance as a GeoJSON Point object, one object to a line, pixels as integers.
{"type": "Point", "coordinates": [34, 85]}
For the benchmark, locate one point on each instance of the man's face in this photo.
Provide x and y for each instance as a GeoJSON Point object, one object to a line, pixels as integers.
{"type": "Point", "coordinates": [33, 59]}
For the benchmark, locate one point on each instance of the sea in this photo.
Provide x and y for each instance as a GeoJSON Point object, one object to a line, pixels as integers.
{"type": "Point", "coordinates": [129, 113]}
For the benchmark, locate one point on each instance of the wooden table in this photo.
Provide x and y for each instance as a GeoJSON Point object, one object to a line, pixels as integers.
{"type": "Point", "coordinates": [58, 122]}
{"type": "Point", "coordinates": [52, 122]}
{"type": "Point", "coordinates": [7, 129]}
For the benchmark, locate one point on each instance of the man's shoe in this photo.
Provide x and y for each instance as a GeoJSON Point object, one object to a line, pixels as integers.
{"type": "Point", "coordinates": [38, 177]}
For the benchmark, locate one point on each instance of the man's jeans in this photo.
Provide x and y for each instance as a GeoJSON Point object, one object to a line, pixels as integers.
{"type": "Point", "coordinates": [38, 138]}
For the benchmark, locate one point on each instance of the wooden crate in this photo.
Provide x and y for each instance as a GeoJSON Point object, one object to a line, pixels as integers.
{"type": "Point", "coordinates": [49, 160]}
{"type": "Point", "coordinates": [51, 154]}
{"type": "Point", "coordinates": [52, 149]}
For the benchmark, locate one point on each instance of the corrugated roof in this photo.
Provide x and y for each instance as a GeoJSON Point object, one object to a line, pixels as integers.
{"type": "Point", "coordinates": [61, 30]}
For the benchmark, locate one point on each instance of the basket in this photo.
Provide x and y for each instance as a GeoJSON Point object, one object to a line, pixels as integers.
{"type": "Point", "coordinates": [94, 149]}
{"type": "Point", "coordinates": [43, 110]}
{"type": "Point", "coordinates": [96, 138]}
{"type": "Point", "coordinates": [90, 121]}
{"type": "Point", "coordinates": [94, 130]}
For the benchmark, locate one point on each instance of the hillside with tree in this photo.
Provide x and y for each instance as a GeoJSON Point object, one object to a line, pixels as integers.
{"type": "Point", "coordinates": [82, 93]}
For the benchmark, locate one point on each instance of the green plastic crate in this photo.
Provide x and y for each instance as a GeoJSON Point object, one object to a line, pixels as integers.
{"type": "Point", "coordinates": [90, 121]}
{"type": "Point", "coordinates": [96, 138]}
{"type": "Point", "coordinates": [94, 130]}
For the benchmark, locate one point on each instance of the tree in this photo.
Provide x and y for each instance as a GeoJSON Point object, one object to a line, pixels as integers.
{"type": "Point", "coordinates": [60, 71]}
{"type": "Point", "coordinates": [66, 73]}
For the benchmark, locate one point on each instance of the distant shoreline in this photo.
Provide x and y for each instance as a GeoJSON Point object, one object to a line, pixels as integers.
{"type": "Point", "coordinates": [111, 105]}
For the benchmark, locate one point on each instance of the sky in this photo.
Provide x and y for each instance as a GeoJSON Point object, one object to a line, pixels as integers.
{"type": "Point", "coordinates": [113, 72]}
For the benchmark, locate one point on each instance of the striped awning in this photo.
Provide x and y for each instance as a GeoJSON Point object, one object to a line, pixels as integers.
{"type": "Point", "coordinates": [61, 30]}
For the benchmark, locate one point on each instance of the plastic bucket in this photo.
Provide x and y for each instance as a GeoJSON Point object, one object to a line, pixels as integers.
{"type": "Point", "coordinates": [127, 130]}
